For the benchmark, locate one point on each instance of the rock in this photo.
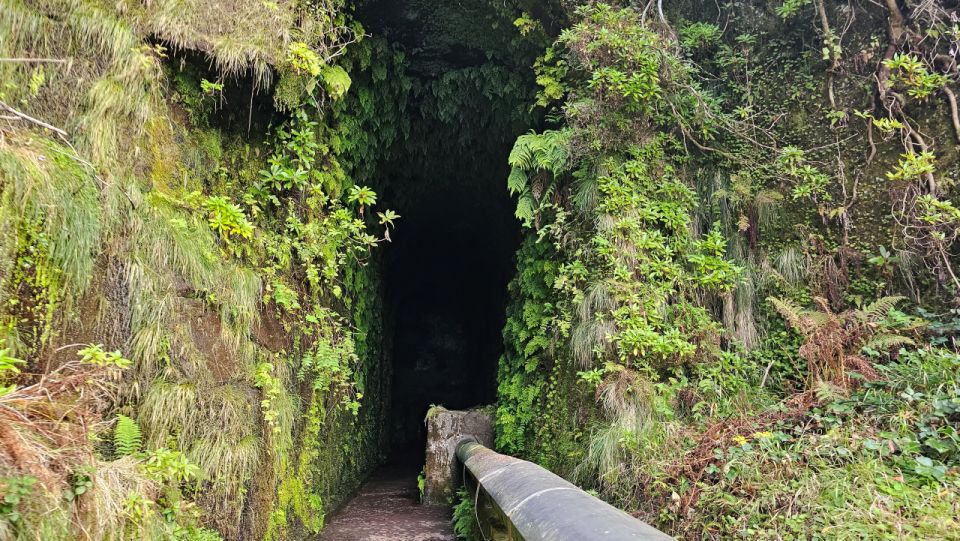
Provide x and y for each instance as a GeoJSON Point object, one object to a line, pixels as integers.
{"type": "Point", "coordinates": [445, 430]}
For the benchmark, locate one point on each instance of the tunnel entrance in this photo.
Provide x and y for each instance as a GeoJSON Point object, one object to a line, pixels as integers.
{"type": "Point", "coordinates": [464, 94]}
{"type": "Point", "coordinates": [446, 284]}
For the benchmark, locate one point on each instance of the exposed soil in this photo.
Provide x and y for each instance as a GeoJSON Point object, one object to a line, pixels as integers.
{"type": "Point", "coordinates": [386, 509]}
{"type": "Point", "coordinates": [206, 329]}
{"type": "Point", "coordinates": [268, 331]}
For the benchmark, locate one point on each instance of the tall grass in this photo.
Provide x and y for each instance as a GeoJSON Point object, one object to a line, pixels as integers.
{"type": "Point", "coordinates": [215, 425]}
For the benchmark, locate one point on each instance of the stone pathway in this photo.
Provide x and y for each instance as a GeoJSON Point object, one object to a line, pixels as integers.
{"type": "Point", "coordinates": [386, 509]}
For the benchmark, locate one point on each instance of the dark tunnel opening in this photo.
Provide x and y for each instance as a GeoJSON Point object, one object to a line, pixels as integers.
{"type": "Point", "coordinates": [446, 271]}
{"type": "Point", "coordinates": [446, 284]}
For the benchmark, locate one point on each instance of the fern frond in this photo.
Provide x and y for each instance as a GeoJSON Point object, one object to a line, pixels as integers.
{"type": "Point", "coordinates": [790, 311]}
{"type": "Point", "coordinates": [878, 309]}
{"type": "Point", "coordinates": [525, 208]}
{"type": "Point", "coordinates": [517, 181]}
{"type": "Point", "coordinates": [127, 438]}
{"type": "Point", "coordinates": [817, 318]}
{"type": "Point", "coordinates": [553, 155]}
{"type": "Point", "coordinates": [545, 151]}
{"type": "Point", "coordinates": [522, 154]}
{"type": "Point", "coordinates": [888, 341]}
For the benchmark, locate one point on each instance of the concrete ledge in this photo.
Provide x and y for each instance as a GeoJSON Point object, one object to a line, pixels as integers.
{"type": "Point", "coordinates": [445, 430]}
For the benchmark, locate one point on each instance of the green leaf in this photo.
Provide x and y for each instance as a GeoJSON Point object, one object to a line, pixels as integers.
{"type": "Point", "coordinates": [517, 181]}
{"type": "Point", "coordinates": [336, 80]}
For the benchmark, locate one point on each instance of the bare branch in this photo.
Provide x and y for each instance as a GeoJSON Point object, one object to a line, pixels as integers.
{"type": "Point", "coordinates": [29, 118]}
{"type": "Point", "coordinates": [954, 115]}
{"type": "Point", "coordinates": [36, 60]}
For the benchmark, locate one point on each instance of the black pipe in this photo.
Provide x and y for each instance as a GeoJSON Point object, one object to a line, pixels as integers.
{"type": "Point", "coordinates": [543, 506]}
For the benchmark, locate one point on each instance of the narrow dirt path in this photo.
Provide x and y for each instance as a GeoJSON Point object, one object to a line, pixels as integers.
{"type": "Point", "coordinates": [387, 509]}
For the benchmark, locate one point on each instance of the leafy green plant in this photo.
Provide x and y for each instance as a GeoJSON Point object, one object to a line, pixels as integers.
{"type": "Point", "coordinates": [285, 297]}
{"type": "Point", "coordinates": [525, 23]}
{"type": "Point", "coordinates": [388, 218]}
{"type": "Point", "coordinates": [886, 125]}
{"type": "Point", "coordinates": [591, 377]}
{"type": "Point", "coordinates": [937, 212]}
{"type": "Point", "coordinates": [789, 8]}
{"type": "Point", "coordinates": [362, 196]}
{"type": "Point", "coordinates": [270, 386]}
{"type": "Point", "coordinates": [209, 88]}
{"type": "Point", "coordinates": [80, 484]}
{"type": "Point", "coordinates": [699, 35]}
{"type": "Point", "coordinates": [551, 69]}
{"type": "Point", "coordinates": [336, 80]}
{"type": "Point", "coordinates": [421, 484]}
{"type": "Point", "coordinates": [809, 182]}
{"type": "Point", "coordinates": [169, 466]}
{"type": "Point", "coordinates": [127, 438]}
{"type": "Point", "coordinates": [13, 491]}
{"type": "Point", "coordinates": [226, 219]}
{"type": "Point", "coordinates": [94, 354]}
{"type": "Point", "coordinates": [836, 117]}
{"type": "Point", "coordinates": [911, 72]}
{"type": "Point", "coordinates": [912, 166]}
{"type": "Point", "coordinates": [465, 524]}
{"type": "Point", "coordinates": [303, 59]}
{"type": "Point", "coordinates": [9, 367]}
{"type": "Point", "coordinates": [37, 80]}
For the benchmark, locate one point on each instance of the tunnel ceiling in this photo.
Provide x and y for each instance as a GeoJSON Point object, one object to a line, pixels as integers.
{"type": "Point", "coordinates": [441, 35]}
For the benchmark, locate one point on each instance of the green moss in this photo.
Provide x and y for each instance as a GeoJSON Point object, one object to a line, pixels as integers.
{"type": "Point", "coordinates": [49, 239]}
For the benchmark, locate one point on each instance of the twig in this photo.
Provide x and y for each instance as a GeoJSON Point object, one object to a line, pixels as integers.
{"type": "Point", "coordinates": [954, 115]}
{"type": "Point", "coordinates": [61, 348]}
{"type": "Point", "coordinates": [36, 60]}
{"type": "Point", "coordinates": [873, 146]}
{"type": "Point", "coordinates": [663, 19]}
{"type": "Point", "coordinates": [29, 118]}
{"type": "Point", "coordinates": [766, 373]}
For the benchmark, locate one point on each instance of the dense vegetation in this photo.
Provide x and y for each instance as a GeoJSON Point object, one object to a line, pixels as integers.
{"type": "Point", "coordinates": [740, 250]}
{"type": "Point", "coordinates": [735, 302]}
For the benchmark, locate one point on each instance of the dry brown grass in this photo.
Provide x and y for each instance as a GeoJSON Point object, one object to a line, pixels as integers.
{"type": "Point", "coordinates": [44, 425]}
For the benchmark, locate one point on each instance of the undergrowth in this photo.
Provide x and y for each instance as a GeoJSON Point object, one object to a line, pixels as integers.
{"type": "Point", "coordinates": [465, 524]}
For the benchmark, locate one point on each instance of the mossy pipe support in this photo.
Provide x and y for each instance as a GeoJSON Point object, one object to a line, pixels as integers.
{"type": "Point", "coordinates": [542, 506]}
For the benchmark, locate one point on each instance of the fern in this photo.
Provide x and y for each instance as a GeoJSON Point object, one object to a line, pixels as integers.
{"type": "Point", "coordinates": [525, 209]}
{"type": "Point", "coordinates": [545, 151]}
{"type": "Point", "coordinates": [533, 152]}
{"type": "Point", "coordinates": [878, 309]}
{"type": "Point", "coordinates": [888, 341]}
{"type": "Point", "coordinates": [790, 311]}
{"type": "Point", "coordinates": [517, 181]}
{"type": "Point", "coordinates": [127, 438]}
{"type": "Point", "coordinates": [465, 524]}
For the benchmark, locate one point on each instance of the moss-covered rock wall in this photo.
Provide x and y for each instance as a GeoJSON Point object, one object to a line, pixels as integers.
{"type": "Point", "coordinates": [172, 191]}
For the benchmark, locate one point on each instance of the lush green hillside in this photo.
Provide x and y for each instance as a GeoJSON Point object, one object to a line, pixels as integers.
{"type": "Point", "coordinates": [730, 252]}
{"type": "Point", "coordinates": [733, 312]}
